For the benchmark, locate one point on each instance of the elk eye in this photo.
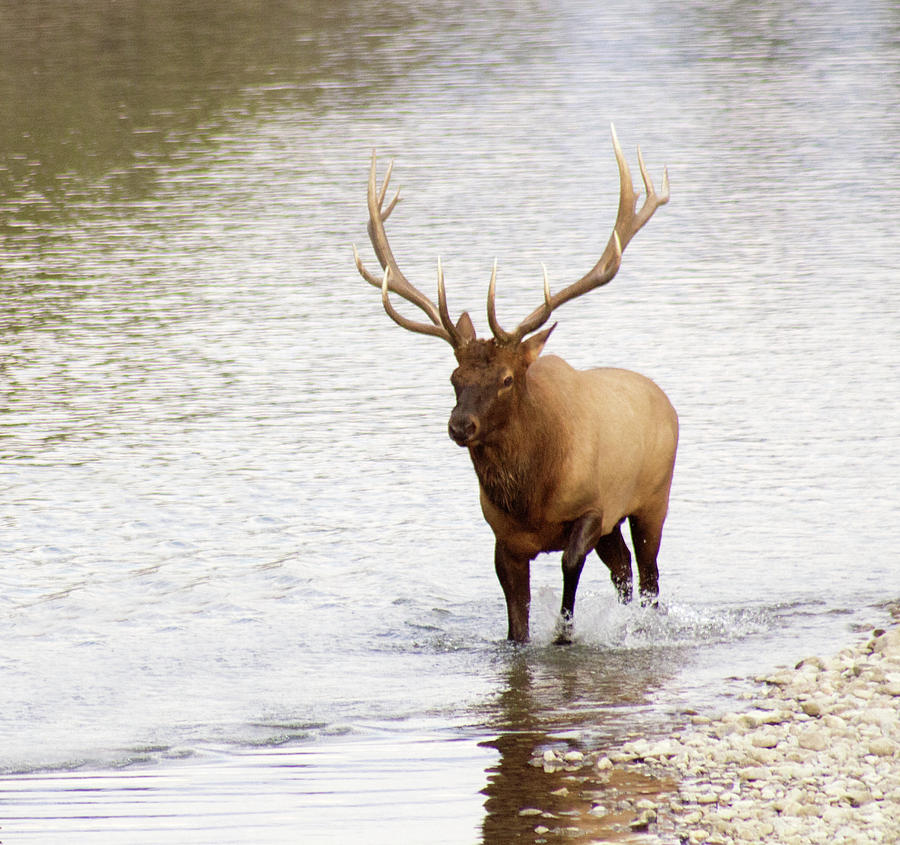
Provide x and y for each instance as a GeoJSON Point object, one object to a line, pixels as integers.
{"type": "Point", "coordinates": [507, 382]}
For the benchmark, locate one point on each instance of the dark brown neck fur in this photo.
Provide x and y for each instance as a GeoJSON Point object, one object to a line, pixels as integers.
{"type": "Point", "coordinates": [516, 467]}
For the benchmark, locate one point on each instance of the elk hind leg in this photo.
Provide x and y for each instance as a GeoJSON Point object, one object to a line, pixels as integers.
{"type": "Point", "coordinates": [614, 553]}
{"type": "Point", "coordinates": [582, 538]}
{"type": "Point", "coordinates": [646, 534]}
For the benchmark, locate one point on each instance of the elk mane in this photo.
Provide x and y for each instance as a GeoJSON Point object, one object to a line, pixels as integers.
{"type": "Point", "coordinates": [517, 471]}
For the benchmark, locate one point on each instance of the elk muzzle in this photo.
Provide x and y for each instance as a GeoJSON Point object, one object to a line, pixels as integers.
{"type": "Point", "coordinates": [463, 427]}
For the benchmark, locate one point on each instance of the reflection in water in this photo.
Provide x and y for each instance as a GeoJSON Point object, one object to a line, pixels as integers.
{"type": "Point", "coordinates": [112, 92]}
{"type": "Point", "coordinates": [100, 100]}
{"type": "Point", "coordinates": [568, 698]}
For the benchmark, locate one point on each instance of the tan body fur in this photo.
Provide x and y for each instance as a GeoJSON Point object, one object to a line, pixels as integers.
{"type": "Point", "coordinates": [563, 457]}
{"type": "Point", "coordinates": [615, 439]}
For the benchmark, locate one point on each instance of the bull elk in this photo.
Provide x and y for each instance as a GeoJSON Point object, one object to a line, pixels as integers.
{"type": "Point", "coordinates": [562, 456]}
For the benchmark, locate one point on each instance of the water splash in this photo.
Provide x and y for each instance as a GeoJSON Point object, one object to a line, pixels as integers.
{"type": "Point", "coordinates": [602, 622]}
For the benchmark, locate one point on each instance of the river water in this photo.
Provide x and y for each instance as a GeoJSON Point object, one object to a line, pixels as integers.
{"type": "Point", "coordinates": [247, 592]}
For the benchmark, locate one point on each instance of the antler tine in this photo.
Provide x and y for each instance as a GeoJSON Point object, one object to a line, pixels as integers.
{"type": "Point", "coordinates": [381, 195]}
{"type": "Point", "coordinates": [628, 223]}
{"type": "Point", "coordinates": [396, 281]}
{"type": "Point", "coordinates": [455, 337]}
{"type": "Point", "coordinates": [653, 200]}
{"type": "Point", "coordinates": [539, 317]}
{"type": "Point", "coordinates": [547, 306]}
{"type": "Point", "coordinates": [405, 322]}
{"type": "Point", "coordinates": [648, 182]}
{"type": "Point", "coordinates": [498, 332]}
{"type": "Point", "coordinates": [384, 186]}
{"type": "Point", "coordinates": [371, 279]}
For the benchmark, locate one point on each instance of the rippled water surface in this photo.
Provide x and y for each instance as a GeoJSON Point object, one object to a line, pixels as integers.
{"type": "Point", "coordinates": [247, 592]}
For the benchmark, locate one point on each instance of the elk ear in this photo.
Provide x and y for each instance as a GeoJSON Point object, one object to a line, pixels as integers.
{"type": "Point", "coordinates": [532, 347]}
{"type": "Point", "coordinates": [465, 328]}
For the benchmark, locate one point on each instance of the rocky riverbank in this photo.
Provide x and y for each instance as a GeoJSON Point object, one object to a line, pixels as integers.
{"type": "Point", "coordinates": [814, 759]}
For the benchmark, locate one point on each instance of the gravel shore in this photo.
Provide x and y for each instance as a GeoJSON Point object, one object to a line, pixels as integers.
{"type": "Point", "coordinates": [814, 759]}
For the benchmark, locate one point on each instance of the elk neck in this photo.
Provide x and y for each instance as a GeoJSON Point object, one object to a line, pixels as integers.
{"type": "Point", "coordinates": [517, 464]}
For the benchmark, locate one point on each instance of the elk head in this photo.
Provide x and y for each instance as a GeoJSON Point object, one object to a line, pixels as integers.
{"type": "Point", "coordinates": [489, 384]}
{"type": "Point", "coordinates": [490, 377]}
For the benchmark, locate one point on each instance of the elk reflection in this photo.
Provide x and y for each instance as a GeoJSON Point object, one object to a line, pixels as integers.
{"type": "Point", "coordinates": [580, 698]}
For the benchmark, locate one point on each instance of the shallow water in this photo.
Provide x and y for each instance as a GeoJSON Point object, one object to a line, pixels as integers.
{"type": "Point", "coordinates": [247, 590]}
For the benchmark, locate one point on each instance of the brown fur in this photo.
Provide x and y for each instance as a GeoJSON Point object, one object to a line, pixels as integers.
{"type": "Point", "coordinates": [516, 458]}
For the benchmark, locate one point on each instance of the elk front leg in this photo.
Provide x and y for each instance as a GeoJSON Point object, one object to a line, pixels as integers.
{"type": "Point", "coordinates": [584, 536]}
{"type": "Point", "coordinates": [514, 573]}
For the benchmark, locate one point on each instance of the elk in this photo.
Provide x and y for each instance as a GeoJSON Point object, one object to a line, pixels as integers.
{"type": "Point", "coordinates": [563, 456]}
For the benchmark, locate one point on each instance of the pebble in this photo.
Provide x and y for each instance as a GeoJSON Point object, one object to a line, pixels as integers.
{"type": "Point", "coordinates": [643, 821]}
{"type": "Point", "coordinates": [882, 747]}
{"type": "Point", "coordinates": [813, 707]}
{"type": "Point", "coordinates": [813, 739]}
{"type": "Point", "coordinates": [753, 773]}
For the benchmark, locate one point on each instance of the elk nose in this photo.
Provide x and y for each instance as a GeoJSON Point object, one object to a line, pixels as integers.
{"type": "Point", "coordinates": [462, 428]}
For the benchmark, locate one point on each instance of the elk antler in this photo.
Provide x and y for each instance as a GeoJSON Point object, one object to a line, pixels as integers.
{"type": "Point", "coordinates": [628, 223]}
{"type": "Point", "coordinates": [393, 280]}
